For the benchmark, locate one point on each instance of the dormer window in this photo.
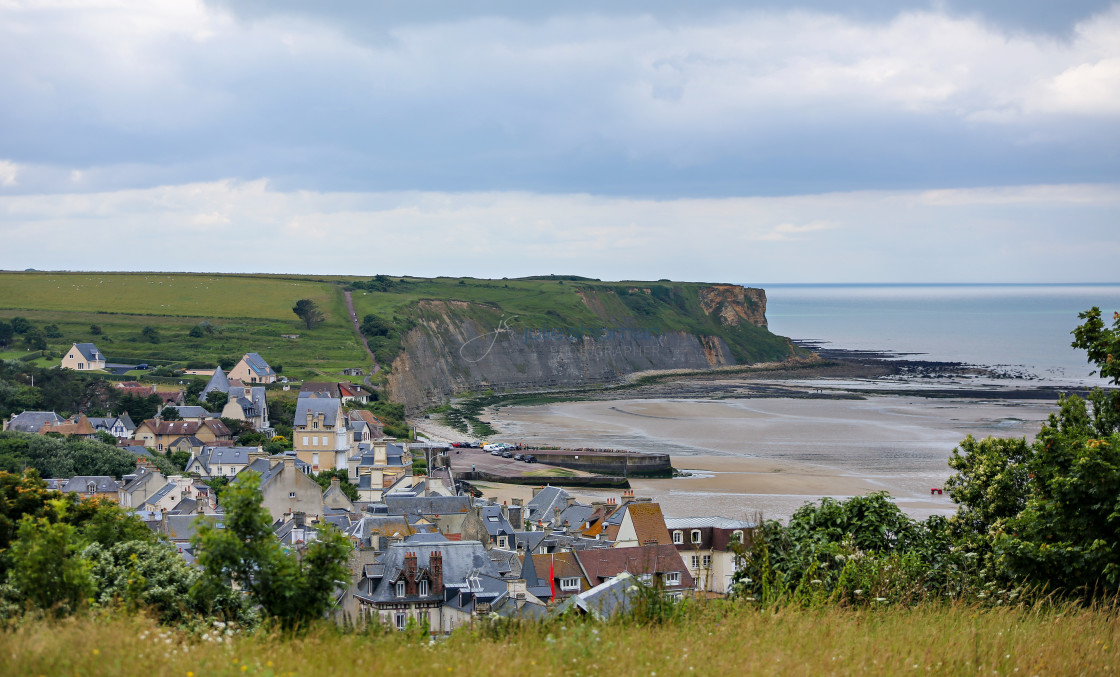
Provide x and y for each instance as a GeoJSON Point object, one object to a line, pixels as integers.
{"type": "Point", "coordinates": [737, 537]}
{"type": "Point", "coordinates": [91, 487]}
{"type": "Point", "coordinates": [400, 588]}
{"type": "Point", "coordinates": [695, 535]}
{"type": "Point", "coordinates": [423, 588]}
{"type": "Point", "coordinates": [678, 538]}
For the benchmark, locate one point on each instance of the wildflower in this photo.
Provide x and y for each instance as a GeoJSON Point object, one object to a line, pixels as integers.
{"type": "Point", "coordinates": [816, 581]}
{"type": "Point", "coordinates": [858, 591]}
{"type": "Point", "coordinates": [96, 652]}
{"type": "Point", "coordinates": [880, 599]}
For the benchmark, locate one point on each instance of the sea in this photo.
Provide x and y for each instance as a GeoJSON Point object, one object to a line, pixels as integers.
{"type": "Point", "coordinates": [1021, 330]}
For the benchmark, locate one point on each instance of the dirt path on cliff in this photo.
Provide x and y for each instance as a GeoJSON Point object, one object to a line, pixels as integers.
{"type": "Point", "coordinates": [365, 343]}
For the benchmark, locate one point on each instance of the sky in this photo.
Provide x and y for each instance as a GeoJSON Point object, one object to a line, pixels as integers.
{"type": "Point", "coordinates": [804, 141]}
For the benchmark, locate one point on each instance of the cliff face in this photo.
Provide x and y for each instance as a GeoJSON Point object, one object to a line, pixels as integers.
{"type": "Point", "coordinates": [457, 347]}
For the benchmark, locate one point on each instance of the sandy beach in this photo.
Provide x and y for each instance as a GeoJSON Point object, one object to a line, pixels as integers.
{"type": "Point", "coordinates": [770, 455]}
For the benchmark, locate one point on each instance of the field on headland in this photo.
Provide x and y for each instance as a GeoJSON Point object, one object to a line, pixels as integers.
{"type": "Point", "coordinates": [718, 639]}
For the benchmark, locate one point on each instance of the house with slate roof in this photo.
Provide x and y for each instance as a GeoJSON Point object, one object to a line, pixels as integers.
{"type": "Point", "coordinates": [32, 421]}
{"type": "Point", "coordinates": [93, 486]}
{"type": "Point", "coordinates": [288, 490]}
{"type": "Point", "coordinates": [437, 583]}
{"type": "Point", "coordinates": [218, 383]}
{"type": "Point", "coordinates": [141, 485]}
{"type": "Point", "coordinates": [607, 599]}
{"type": "Point", "coordinates": [249, 404]}
{"type": "Point", "coordinates": [542, 507]}
{"type": "Point", "coordinates": [320, 436]}
{"type": "Point", "coordinates": [83, 357]}
{"type": "Point", "coordinates": [158, 434]}
{"type": "Point", "coordinates": [120, 427]}
{"type": "Point", "coordinates": [222, 461]}
{"type": "Point", "coordinates": [252, 369]}
{"type": "Point", "coordinates": [558, 575]}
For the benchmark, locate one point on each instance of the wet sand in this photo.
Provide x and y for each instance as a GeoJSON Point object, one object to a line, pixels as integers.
{"type": "Point", "coordinates": [768, 456]}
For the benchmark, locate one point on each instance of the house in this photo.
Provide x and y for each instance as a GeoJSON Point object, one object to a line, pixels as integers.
{"type": "Point", "coordinates": [320, 436]}
{"type": "Point", "coordinates": [249, 404]}
{"type": "Point", "coordinates": [642, 524]}
{"type": "Point", "coordinates": [334, 497]}
{"type": "Point", "coordinates": [135, 388]}
{"type": "Point", "coordinates": [222, 461]}
{"type": "Point", "coordinates": [83, 357]}
{"type": "Point", "coordinates": [141, 485]}
{"type": "Point", "coordinates": [707, 545]}
{"type": "Point", "coordinates": [32, 421]}
{"type": "Point", "coordinates": [195, 413]}
{"type": "Point", "coordinates": [499, 533]}
{"type": "Point", "coordinates": [287, 489]}
{"type": "Point", "coordinates": [171, 398]}
{"type": "Point", "coordinates": [171, 494]}
{"type": "Point", "coordinates": [653, 564]}
{"type": "Point", "coordinates": [78, 425]}
{"type": "Point", "coordinates": [353, 371]}
{"type": "Point", "coordinates": [429, 580]}
{"type": "Point", "coordinates": [93, 486]}
{"type": "Point", "coordinates": [156, 434]}
{"type": "Point", "coordinates": [542, 507]}
{"type": "Point", "coordinates": [252, 369]}
{"type": "Point", "coordinates": [374, 427]}
{"type": "Point", "coordinates": [120, 427]}
{"type": "Point", "coordinates": [614, 596]}
{"type": "Point", "coordinates": [345, 392]}
{"type": "Point", "coordinates": [559, 575]}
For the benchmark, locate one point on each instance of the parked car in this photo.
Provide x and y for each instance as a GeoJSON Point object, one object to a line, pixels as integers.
{"type": "Point", "coordinates": [529, 458]}
{"type": "Point", "coordinates": [492, 447]}
{"type": "Point", "coordinates": [507, 454]}
{"type": "Point", "coordinates": [496, 452]}
{"type": "Point", "coordinates": [517, 457]}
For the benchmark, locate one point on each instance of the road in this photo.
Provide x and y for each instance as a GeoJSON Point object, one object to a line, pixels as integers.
{"type": "Point", "coordinates": [358, 329]}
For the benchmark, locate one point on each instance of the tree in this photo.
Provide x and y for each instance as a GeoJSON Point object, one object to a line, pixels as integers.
{"type": "Point", "coordinates": [47, 570]}
{"type": "Point", "coordinates": [21, 325]}
{"type": "Point", "coordinates": [6, 333]}
{"type": "Point", "coordinates": [324, 481]}
{"type": "Point", "coordinates": [170, 413]}
{"type": "Point", "coordinates": [373, 325]}
{"type": "Point", "coordinates": [150, 334]}
{"type": "Point", "coordinates": [95, 330]}
{"type": "Point", "coordinates": [307, 311]}
{"type": "Point", "coordinates": [216, 400]}
{"type": "Point", "coordinates": [294, 589]}
{"type": "Point", "coordinates": [139, 408]}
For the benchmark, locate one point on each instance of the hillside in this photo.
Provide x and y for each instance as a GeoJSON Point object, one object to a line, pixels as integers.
{"type": "Point", "coordinates": [436, 337]}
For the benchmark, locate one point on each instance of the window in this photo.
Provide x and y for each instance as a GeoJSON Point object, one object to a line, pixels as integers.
{"type": "Point", "coordinates": [315, 458]}
{"type": "Point", "coordinates": [569, 583]}
{"type": "Point", "coordinates": [291, 494]}
{"type": "Point", "coordinates": [305, 440]}
{"type": "Point", "coordinates": [645, 578]}
{"type": "Point", "coordinates": [160, 447]}
{"type": "Point", "coordinates": [707, 560]}
{"type": "Point", "coordinates": [672, 578]}
{"type": "Point", "coordinates": [695, 561]}
{"type": "Point", "coordinates": [695, 535]}
{"type": "Point", "coordinates": [401, 619]}
{"type": "Point", "coordinates": [423, 619]}
{"type": "Point", "coordinates": [423, 588]}
{"type": "Point", "coordinates": [501, 541]}
{"type": "Point", "coordinates": [325, 443]}
{"type": "Point", "coordinates": [678, 537]}
{"type": "Point", "coordinates": [400, 588]}
{"type": "Point", "coordinates": [737, 537]}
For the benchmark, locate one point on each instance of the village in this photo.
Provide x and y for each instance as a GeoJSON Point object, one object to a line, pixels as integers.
{"type": "Point", "coordinates": [429, 547]}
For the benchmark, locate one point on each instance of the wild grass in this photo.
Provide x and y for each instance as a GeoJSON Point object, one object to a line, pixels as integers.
{"type": "Point", "coordinates": [711, 639]}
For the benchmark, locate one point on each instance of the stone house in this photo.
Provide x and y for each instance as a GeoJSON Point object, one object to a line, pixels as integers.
{"type": "Point", "coordinates": [252, 369]}
{"type": "Point", "coordinates": [707, 546]}
{"type": "Point", "coordinates": [320, 436]}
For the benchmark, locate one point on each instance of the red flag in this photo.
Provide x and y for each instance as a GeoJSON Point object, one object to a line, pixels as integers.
{"type": "Point", "coordinates": [552, 575]}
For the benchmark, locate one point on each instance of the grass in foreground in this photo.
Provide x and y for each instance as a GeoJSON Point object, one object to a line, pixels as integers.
{"type": "Point", "coordinates": [716, 639]}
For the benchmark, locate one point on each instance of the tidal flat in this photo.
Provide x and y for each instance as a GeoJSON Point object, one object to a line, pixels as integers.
{"type": "Point", "coordinates": [767, 456]}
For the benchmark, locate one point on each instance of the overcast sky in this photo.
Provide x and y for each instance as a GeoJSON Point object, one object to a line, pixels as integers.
{"type": "Point", "coordinates": [878, 141]}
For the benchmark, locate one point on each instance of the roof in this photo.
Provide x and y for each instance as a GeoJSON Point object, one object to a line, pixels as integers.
{"type": "Point", "coordinates": [159, 495]}
{"type": "Point", "coordinates": [328, 407]}
{"type": "Point", "coordinates": [137, 450]}
{"type": "Point", "coordinates": [465, 565]}
{"type": "Point", "coordinates": [33, 421]}
{"type": "Point", "coordinates": [218, 382]}
{"type": "Point", "coordinates": [494, 521]}
{"type": "Point", "coordinates": [78, 425]}
{"type": "Point", "coordinates": [604, 563]}
{"type": "Point", "coordinates": [538, 587]}
{"type": "Point", "coordinates": [126, 421]}
{"type": "Point", "coordinates": [607, 598]}
{"type": "Point", "coordinates": [80, 484]}
{"type": "Point", "coordinates": [90, 352]}
{"type": "Point", "coordinates": [257, 364]}
{"type": "Point", "coordinates": [540, 507]}
{"type": "Point", "coordinates": [427, 505]}
{"type": "Point", "coordinates": [194, 411]}
{"type": "Point", "coordinates": [702, 522]}
{"type": "Point", "coordinates": [649, 524]}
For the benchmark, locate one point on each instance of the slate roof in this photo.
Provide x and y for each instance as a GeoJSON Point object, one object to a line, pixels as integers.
{"type": "Point", "coordinates": [90, 352]}
{"type": "Point", "coordinates": [159, 495]}
{"type": "Point", "coordinates": [141, 477]}
{"type": "Point", "coordinates": [495, 522]}
{"type": "Point", "coordinates": [218, 382]}
{"type": "Point", "coordinates": [529, 541]}
{"type": "Point", "coordinates": [540, 507]}
{"type": "Point", "coordinates": [126, 421]}
{"type": "Point", "coordinates": [182, 527]}
{"type": "Point", "coordinates": [329, 408]}
{"type": "Point", "coordinates": [33, 421]}
{"type": "Point", "coordinates": [427, 505]}
{"type": "Point", "coordinates": [137, 450]}
{"type": "Point", "coordinates": [465, 564]}
{"type": "Point", "coordinates": [257, 364]}
{"type": "Point", "coordinates": [536, 585]}
{"type": "Point", "coordinates": [80, 484]}
{"type": "Point", "coordinates": [195, 411]}
{"type": "Point", "coordinates": [606, 599]}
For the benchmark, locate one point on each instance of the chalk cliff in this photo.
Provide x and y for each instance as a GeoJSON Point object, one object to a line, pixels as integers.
{"type": "Point", "coordinates": [455, 346]}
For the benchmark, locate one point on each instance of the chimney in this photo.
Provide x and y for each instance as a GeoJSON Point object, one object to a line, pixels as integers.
{"type": "Point", "coordinates": [289, 463]}
{"type": "Point", "coordinates": [334, 483]}
{"type": "Point", "coordinates": [410, 573]}
{"type": "Point", "coordinates": [571, 501]}
{"type": "Point", "coordinates": [435, 569]}
{"type": "Point", "coordinates": [515, 515]}
{"type": "Point", "coordinates": [518, 501]}
{"type": "Point", "coordinates": [299, 518]}
{"type": "Point", "coordinates": [556, 517]}
{"type": "Point", "coordinates": [537, 490]}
